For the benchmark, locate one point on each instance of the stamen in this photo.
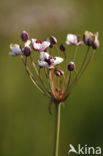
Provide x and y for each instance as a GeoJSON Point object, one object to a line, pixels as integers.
{"type": "Point", "coordinates": [40, 41]}
{"type": "Point", "coordinates": [37, 41]}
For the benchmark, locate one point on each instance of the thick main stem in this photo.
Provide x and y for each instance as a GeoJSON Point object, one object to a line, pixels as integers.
{"type": "Point", "coordinates": [57, 128]}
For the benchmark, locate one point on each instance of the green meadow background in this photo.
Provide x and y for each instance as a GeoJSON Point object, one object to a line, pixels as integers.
{"type": "Point", "coordinates": [26, 127]}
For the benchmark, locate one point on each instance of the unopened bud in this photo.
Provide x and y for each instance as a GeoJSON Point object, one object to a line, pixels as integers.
{"type": "Point", "coordinates": [88, 38]}
{"type": "Point", "coordinates": [27, 51]}
{"type": "Point", "coordinates": [51, 46]}
{"type": "Point", "coordinates": [62, 47]}
{"type": "Point", "coordinates": [96, 42]}
{"type": "Point", "coordinates": [58, 72]}
{"type": "Point", "coordinates": [71, 66]}
{"type": "Point", "coordinates": [24, 36]}
{"type": "Point", "coordinates": [53, 40]}
{"type": "Point", "coordinates": [61, 72]}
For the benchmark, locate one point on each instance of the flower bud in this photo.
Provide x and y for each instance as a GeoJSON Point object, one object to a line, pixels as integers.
{"type": "Point", "coordinates": [53, 40]}
{"type": "Point", "coordinates": [51, 46]}
{"type": "Point", "coordinates": [71, 66]}
{"type": "Point", "coordinates": [61, 72]}
{"type": "Point", "coordinates": [58, 72]}
{"type": "Point", "coordinates": [27, 51]}
{"type": "Point", "coordinates": [24, 36]}
{"type": "Point", "coordinates": [88, 38]}
{"type": "Point", "coordinates": [96, 42]}
{"type": "Point", "coordinates": [62, 47]}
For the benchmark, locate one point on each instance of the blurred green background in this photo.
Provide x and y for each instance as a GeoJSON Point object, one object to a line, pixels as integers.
{"type": "Point", "coordinates": [26, 128]}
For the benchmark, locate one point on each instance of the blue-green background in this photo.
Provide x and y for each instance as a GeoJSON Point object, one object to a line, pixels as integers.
{"type": "Point", "coordinates": [26, 127]}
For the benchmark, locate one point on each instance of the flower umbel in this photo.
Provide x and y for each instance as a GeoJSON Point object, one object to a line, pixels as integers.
{"type": "Point", "coordinates": [51, 78]}
{"type": "Point", "coordinates": [49, 63]}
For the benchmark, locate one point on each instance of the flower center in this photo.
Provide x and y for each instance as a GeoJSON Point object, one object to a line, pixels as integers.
{"type": "Point", "coordinates": [37, 41]}
{"type": "Point", "coordinates": [49, 61]}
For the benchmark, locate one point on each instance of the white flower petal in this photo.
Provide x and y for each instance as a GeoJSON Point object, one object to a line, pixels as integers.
{"type": "Point", "coordinates": [57, 60]}
{"type": "Point", "coordinates": [33, 40]}
{"type": "Point", "coordinates": [43, 64]}
{"type": "Point", "coordinates": [15, 48]}
{"type": "Point", "coordinates": [14, 54]}
{"type": "Point", "coordinates": [36, 46]}
{"type": "Point", "coordinates": [44, 55]}
{"type": "Point", "coordinates": [44, 45]}
{"type": "Point", "coordinates": [27, 44]}
{"type": "Point", "coordinates": [72, 39]}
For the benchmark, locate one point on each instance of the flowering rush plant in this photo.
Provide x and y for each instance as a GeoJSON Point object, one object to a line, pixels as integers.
{"type": "Point", "coordinates": [49, 78]}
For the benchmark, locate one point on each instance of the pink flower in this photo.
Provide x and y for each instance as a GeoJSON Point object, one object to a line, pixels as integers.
{"type": "Point", "coordinates": [15, 50]}
{"type": "Point", "coordinates": [40, 46]}
{"type": "Point", "coordinates": [72, 39]}
{"type": "Point", "coordinates": [50, 62]}
{"type": "Point", "coordinates": [44, 55]}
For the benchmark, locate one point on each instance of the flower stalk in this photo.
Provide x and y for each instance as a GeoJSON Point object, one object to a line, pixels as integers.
{"type": "Point", "coordinates": [31, 76]}
{"type": "Point", "coordinates": [57, 128]}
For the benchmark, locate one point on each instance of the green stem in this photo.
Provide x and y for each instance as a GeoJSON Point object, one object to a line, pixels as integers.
{"type": "Point", "coordinates": [57, 128]}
